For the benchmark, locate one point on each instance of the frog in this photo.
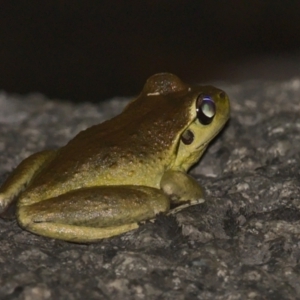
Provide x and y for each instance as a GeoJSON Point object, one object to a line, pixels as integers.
{"type": "Point", "coordinates": [113, 176]}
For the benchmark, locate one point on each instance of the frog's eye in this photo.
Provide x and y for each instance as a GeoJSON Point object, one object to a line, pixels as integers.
{"type": "Point", "coordinates": [206, 109]}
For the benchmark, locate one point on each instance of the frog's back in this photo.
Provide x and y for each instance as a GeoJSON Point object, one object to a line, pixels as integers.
{"type": "Point", "coordinates": [135, 147]}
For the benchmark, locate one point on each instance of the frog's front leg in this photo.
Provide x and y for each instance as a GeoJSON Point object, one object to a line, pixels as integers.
{"type": "Point", "coordinates": [182, 189]}
{"type": "Point", "coordinates": [91, 214]}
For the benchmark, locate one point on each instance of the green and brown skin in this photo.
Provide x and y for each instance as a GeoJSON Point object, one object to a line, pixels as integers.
{"type": "Point", "coordinates": [116, 174]}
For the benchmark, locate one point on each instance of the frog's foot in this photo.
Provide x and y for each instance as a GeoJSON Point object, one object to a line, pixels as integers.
{"type": "Point", "coordinates": [91, 214]}
{"type": "Point", "coordinates": [181, 187]}
{"type": "Point", "coordinates": [185, 205]}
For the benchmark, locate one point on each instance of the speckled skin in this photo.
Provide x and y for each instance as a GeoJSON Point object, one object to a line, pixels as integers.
{"type": "Point", "coordinates": [120, 172]}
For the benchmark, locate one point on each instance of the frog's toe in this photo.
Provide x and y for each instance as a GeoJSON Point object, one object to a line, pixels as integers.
{"type": "Point", "coordinates": [4, 202]}
{"type": "Point", "coordinates": [185, 205]}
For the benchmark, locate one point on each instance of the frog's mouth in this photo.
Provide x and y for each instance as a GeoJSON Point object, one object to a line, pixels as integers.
{"type": "Point", "coordinates": [222, 120]}
{"type": "Point", "coordinates": [205, 144]}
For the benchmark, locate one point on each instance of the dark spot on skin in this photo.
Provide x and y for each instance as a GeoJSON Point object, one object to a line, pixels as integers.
{"type": "Point", "coordinates": [187, 137]}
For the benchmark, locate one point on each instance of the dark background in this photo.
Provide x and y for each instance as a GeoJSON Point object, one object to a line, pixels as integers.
{"type": "Point", "coordinates": [92, 50]}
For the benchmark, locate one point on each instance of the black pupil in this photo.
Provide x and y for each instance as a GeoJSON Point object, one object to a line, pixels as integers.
{"type": "Point", "coordinates": [206, 109]}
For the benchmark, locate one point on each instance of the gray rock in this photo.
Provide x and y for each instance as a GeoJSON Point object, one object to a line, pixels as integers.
{"type": "Point", "coordinates": [242, 243]}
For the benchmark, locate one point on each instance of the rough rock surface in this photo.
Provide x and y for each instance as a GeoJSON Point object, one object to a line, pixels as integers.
{"type": "Point", "coordinates": [242, 243]}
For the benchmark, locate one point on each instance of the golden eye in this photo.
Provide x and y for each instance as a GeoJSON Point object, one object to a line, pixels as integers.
{"type": "Point", "coordinates": [206, 109]}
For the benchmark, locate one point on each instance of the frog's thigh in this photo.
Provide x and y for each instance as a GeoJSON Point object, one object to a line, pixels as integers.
{"type": "Point", "coordinates": [181, 187]}
{"type": "Point", "coordinates": [22, 175]}
{"type": "Point", "coordinates": [91, 214]}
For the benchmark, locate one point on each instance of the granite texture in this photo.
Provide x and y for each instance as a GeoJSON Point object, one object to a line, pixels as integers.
{"type": "Point", "coordinates": [242, 243]}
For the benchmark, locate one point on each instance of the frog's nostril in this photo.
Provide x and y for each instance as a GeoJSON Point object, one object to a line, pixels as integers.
{"type": "Point", "coordinates": [222, 95]}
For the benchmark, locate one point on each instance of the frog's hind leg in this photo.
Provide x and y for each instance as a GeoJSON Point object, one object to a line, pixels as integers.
{"type": "Point", "coordinates": [91, 214]}
{"type": "Point", "coordinates": [78, 234]}
{"type": "Point", "coordinates": [22, 176]}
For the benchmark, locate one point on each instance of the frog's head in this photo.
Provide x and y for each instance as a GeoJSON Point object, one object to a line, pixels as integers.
{"type": "Point", "coordinates": [180, 119]}
{"type": "Point", "coordinates": [209, 111]}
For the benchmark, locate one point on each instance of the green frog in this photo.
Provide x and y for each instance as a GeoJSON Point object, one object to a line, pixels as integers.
{"type": "Point", "coordinates": [117, 174]}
